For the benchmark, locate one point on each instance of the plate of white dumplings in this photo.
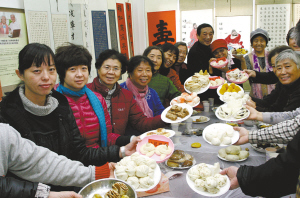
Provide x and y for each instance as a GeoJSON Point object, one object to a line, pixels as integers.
{"type": "Point", "coordinates": [205, 179]}
{"type": "Point", "coordinates": [141, 172]}
{"type": "Point", "coordinates": [220, 134]}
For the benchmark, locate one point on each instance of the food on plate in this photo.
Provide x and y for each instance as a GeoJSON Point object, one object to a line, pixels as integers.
{"type": "Point", "coordinates": [233, 109]}
{"type": "Point", "coordinates": [120, 187]}
{"type": "Point", "coordinates": [97, 196]}
{"type": "Point", "coordinates": [231, 96]}
{"type": "Point", "coordinates": [147, 149]}
{"type": "Point", "coordinates": [176, 111]}
{"type": "Point", "coordinates": [229, 88]}
{"type": "Point", "coordinates": [219, 62]}
{"type": "Point", "coordinates": [233, 153]}
{"type": "Point", "coordinates": [198, 81]}
{"type": "Point", "coordinates": [239, 51]}
{"type": "Point", "coordinates": [215, 81]}
{"type": "Point", "coordinates": [159, 131]}
{"type": "Point", "coordinates": [112, 194]}
{"type": "Point", "coordinates": [180, 159]}
{"type": "Point", "coordinates": [190, 99]}
{"type": "Point", "coordinates": [196, 145]}
{"type": "Point", "coordinates": [124, 196]}
{"type": "Point", "coordinates": [220, 136]}
{"type": "Point", "coordinates": [163, 151]}
{"type": "Point", "coordinates": [201, 119]}
{"type": "Point", "coordinates": [137, 170]}
{"type": "Point", "coordinates": [236, 75]}
{"type": "Point", "coordinates": [207, 178]}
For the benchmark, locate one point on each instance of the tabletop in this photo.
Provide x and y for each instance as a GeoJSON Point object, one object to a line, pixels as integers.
{"type": "Point", "coordinates": [205, 154]}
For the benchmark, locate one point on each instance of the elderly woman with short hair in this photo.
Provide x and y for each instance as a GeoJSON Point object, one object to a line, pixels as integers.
{"type": "Point", "coordinates": [286, 95]}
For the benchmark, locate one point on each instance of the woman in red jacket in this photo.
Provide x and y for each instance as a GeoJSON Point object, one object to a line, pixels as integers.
{"type": "Point", "coordinates": [121, 105]}
{"type": "Point", "coordinates": [73, 63]}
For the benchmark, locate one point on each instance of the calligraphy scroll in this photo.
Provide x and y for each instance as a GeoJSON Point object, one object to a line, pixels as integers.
{"type": "Point", "coordinates": [122, 29]}
{"type": "Point", "coordinates": [129, 25]}
{"type": "Point", "coordinates": [99, 31]}
{"type": "Point", "coordinates": [161, 27]}
{"type": "Point", "coordinates": [113, 30]}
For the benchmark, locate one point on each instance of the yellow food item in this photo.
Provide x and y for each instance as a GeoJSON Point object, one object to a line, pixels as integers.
{"type": "Point", "coordinates": [201, 72]}
{"type": "Point", "coordinates": [196, 145]}
{"type": "Point", "coordinates": [225, 85]}
{"type": "Point", "coordinates": [233, 90]}
{"type": "Point", "coordinates": [205, 72]}
{"type": "Point", "coordinates": [97, 196]}
{"type": "Point", "coordinates": [237, 88]}
{"type": "Point", "coordinates": [124, 196]}
{"type": "Point", "coordinates": [232, 85]}
{"type": "Point", "coordinates": [222, 90]}
{"type": "Point", "coordinates": [229, 89]}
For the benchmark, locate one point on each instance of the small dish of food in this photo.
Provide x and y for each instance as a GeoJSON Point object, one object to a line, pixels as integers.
{"type": "Point", "coordinates": [233, 154]}
{"type": "Point", "coordinates": [200, 119]}
{"type": "Point", "coordinates": [180, 160]}
{"type": "Point", "coordinates": [176, 113]}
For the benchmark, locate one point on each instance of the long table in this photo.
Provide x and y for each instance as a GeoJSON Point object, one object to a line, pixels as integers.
{"type": "Point", "coordinates": [205, 154]}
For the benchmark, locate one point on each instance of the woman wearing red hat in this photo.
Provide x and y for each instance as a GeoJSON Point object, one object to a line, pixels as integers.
{"type": "Point", "coordinates": [220, 50]}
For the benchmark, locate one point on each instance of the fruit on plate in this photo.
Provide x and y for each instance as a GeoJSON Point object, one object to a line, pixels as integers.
{"type": "Point", "coordinates": [239, 51]}
{"type": "Point", "coordinates": [229, 88]}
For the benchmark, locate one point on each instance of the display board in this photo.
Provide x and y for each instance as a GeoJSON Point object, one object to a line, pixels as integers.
{"type": "Point", "coordinates": [275, 19]}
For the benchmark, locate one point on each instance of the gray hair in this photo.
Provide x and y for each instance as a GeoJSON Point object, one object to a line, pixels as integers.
{"type": "Point", "coordinates": [181, 43]}
{"type": "Point", "coordinates": [288, 54]}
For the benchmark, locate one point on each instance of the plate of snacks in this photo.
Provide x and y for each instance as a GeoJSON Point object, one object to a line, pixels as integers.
{"type": "Point", "coordinates": [237, 76]}
{"type": "Point", "coordinates": [108, 187]}
{"type": "Point", "coordinates": [197, 83]}
{"type": "Point", "coordinates": [262, 125]}
{"type": "Point", "coordinates": [141, 172]}
{"type": "Point", "coordinates": [180, 160]}
{"type": "Point", "coordinates": [239, 52]}
{"type": "Point", "coordinates": [191, 99]}
{"type": "Point", "coordinates": [176, 113]}
{"type": "Point", "coordinates": [219, 63]}
{"type": "Point", "coordinates": [232, 111]}
{"type": "Point", "coordinates": [206, 180]}
{"type": "Point", "coordinates": [233, 154]}
{"type": "Point", "coordinates": [216, 81]}
{"type": "Point", "coordinates": [229, 88]}
{"type": "Point", "coordinates": [261, 147]}
{"type": "Point", "coordinates": [160, 131]}
{"type": "Point", "coordinates": [230, 96]}
{"type": "Point", "coordinates": [220, 134]}
{"type": "Point", "coordinates": [157, 147]}
{"type": "Point", "coordinates": [200, 119]}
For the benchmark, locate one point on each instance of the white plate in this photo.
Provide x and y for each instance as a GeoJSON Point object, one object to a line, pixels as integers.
{"type": "Point", "coordinates": [262, 150]}
{"type": "Point", "coordinates": [197, 117]}
{"type": "Point", "coordinates": [183, 105]}
{"type": "Point", "coordinates": [218, 90]}
{"type": "Point", "coordinates": [194, 162]}
{"type": "Point", "coordinates": [222, 191]}
{"type": "Point", "coordinates": [172, 133]}
{"type": "Point", "coordinates": [156, 178]}
{"type": "Point", "coordinates": [217, 126]}
{"type": "Point", "coordinates": [230, 119]}
{"type": "Point", "coordinates": [202, 90]}
{"type": "Point", "coordinates": [237, 82]}
{"type": "Point", "coordinates": [231, 161]}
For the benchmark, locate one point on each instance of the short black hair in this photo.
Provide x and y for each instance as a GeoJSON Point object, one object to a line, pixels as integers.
{"type": "Point", "coordinates": [71, 55]}
{"type": "Point", "coordinates": [275, 51]}
{"type": "Point", "coordinates": [288, 36]}
{"type": "Point", "coordinates": [203, 25]}
{"type": "Point", "coordinates": [170, 47]}
{"type": "Point", "coordinates": [34, 53]}
{"type": "Point", "coordinates": [136, 61]}
{"type": "Point", "coordinates": [181, 43]}
{"type": "Point", "coordinates": [112, 54]}
{"type": "Point", "coordinates": [150, 48]}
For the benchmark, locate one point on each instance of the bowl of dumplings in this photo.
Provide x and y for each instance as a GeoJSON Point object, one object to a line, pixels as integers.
{"type": "Point", "coordinates": [109, 187]}
{"type": "Point", "coordinates": [220, 134]}
{"type": "Point", "coordinates": [141, 172]}
{"type": "Point", "coordinates": [205, 179]}
{"type": "Point", "coordinates": [216, 81]}
{"type": "Point", "coordinates": [237, 76]}
{"type": "Point", "coordinates": [233, 154]}
{"type": "Point", "coordinates": [232, 111]}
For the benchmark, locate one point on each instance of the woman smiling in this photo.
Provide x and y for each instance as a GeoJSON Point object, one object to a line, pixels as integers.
{"type": "Point", "coordinates": [140, 73]}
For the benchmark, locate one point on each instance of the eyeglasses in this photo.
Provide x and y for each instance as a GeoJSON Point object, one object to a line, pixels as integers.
{"type": "Point", "coordinates": [113, 69]}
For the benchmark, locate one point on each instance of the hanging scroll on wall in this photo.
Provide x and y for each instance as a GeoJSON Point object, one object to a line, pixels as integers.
{"type": "Point", "coordinates": [99, 32]}
{"type": "Point", "coordinates": [275, 19]}
{"type": "Point", "coordinates": [296, 13]}
{"type": "Point", "coordinates": [122, 29]}
{"type": "Point", "coordinates": [129, 25]}
{"type": "Point", "coordinates": [161, 27]}
{"type": "Point", "coordinates": [113, 30]}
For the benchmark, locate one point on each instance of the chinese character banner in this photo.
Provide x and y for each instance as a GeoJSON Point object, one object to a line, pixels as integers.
{"type": "Point", "coordinates": [161, 27]}
{"type": "Point", "coordinates": [122, 29]}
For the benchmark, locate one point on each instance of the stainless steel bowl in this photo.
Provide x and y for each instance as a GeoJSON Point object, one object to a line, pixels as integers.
{"type": "Point", "coordinates": [101, 186]}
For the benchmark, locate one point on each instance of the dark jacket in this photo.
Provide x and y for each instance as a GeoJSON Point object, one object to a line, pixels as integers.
{"type": "Point", "coordinates": [275, 178]}
{"type": "Point", "coordinates": [12, 188]}
{"type": "Point", "coordinates": [71, 144]}
{"type": "Point", "coordinates": [264, 78]}
{"type": "Point", "coordinates": [282, 98]}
